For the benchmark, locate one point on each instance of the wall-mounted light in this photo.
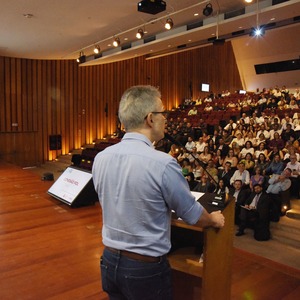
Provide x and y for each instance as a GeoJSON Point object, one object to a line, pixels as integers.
{"type": "Point", "coordinates": [81, 58]}
{"type": "Point", "coordinates": [169, 24]}
{"type": "Point", "coordinates": [208, 10]}
{"type": "Point", "coordinates": [97, 49]}
{"type": "Point", "coordinates": [140, 33]}
{"type": "Point", "coordinates": [116, 42]}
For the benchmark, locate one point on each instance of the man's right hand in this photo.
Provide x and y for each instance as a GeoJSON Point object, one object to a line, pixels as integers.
{"type": "Point", "coordinates": [218, 219]}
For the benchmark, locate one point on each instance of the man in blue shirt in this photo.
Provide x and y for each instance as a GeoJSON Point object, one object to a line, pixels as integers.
{"type": "Point", "coordinates": [138, 187]}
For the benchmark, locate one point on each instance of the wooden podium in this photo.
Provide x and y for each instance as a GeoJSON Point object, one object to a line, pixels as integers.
{"type": "Point", "coordinates": [210, 279]}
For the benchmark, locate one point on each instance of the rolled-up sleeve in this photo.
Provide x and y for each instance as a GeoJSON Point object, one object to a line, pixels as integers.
{"type": "Point", "coordinates": [177, 195]}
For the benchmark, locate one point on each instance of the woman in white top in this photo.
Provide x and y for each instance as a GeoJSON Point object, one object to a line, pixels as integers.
{"type": "Point", "coordinates": [205, 156]}
{"type": "Point", "coordinates": [231, 158]}
{"type": "Point", "coordinates": [261, 149]}
{"type": "Point", "coordinates": [247, 149]}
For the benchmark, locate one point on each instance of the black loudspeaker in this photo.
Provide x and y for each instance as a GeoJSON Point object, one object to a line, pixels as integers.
{"type": "Point", "coordinates": [75, 188]}
{"type": "Point", "coordinates": [55, 142]}
{"type": "Point", "coordinates": [76, 159]}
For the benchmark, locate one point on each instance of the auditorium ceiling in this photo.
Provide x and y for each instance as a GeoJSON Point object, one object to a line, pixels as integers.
{"type": "Point", "coordinates": [59, 29]}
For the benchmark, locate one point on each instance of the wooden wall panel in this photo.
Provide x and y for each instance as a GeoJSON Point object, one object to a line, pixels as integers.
{"type": "Point", "coordinates": [81, 103]}
{"type": "Point", "coordinates": [2, 94]}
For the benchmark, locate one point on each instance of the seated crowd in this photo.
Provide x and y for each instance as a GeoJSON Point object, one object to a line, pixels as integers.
{"type": "Point", "coordinates": [255, 157]}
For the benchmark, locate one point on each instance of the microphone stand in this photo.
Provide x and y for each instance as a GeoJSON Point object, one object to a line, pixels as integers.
{"type": "Point", "coordinates": [218, 200]}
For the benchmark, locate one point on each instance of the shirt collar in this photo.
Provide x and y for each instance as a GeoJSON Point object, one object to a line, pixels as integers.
{"type": "Point", "coordinates": [137, 136]}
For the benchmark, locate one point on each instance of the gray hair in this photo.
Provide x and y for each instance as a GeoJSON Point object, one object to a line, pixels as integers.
{"type": "Point", "coordinates": [136, 103]}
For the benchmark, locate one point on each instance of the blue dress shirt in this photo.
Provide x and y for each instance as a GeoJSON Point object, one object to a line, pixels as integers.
{"type": "Point", "coordinates": [138, 187]}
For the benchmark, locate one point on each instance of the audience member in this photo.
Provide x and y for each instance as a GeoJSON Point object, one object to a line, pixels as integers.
{"type": "Point", "coordinates": [275, 151]}
{"type": "Point", "coordinates": [186, 167]}
{"type": "Point", "coordinates": [204, 186]}
{"type": "Point", "coordinates": [191, 180]}
{"type": "Point", "coordinates": [236, 149]}
{"type": "Point", "coordinates": [232, 159]}
{"type": "Point", "coordinates": [205, 156]}
{"type": "Point", "coordinates": [190, 144]}
{"type": "Point", "coordinates": [193, 156]}
{"type": "Point", "coordinates": [278, 183]}
{"type": "Point", "coordinates": [261, 149]}
{"type": "Point", "coordinates": [193, 111]}
{"type": "Point", "coordinates": [262, 163]}
{"type": "Point", "coordinates": [198, 170]}
{"type": "Point", "coordinates": [248, 162]}
{"type": "Point", "coordinates": [218, 159]}
{"type": "Point", "coordinates": [242, 175]}
{"type": "Point", "coordinates": [256, 210]}
{"type": "Point", "coordinates": [248, 148]}
{"type": "Point", "coordinates": [240, 196]}
{"type": "Point", "coordinates": [256, 178]}
{"type": "Point", "coordinates": [276, 166]}
{"type": "Point", "coordinates": [223, 147]}
{"type": "Point", "coordinates": [221, 190]}
{"type": "Point", "coordinates": [200, 145]}
{"type": "Point", "coordinates": [294, 166]}
{"type": "Point", "coordinates": [227, 137]}
{"type": "Point", "coordinates": [287, 133]}
{"type": "Point", "coordinates": [212, 171]}
{"type": "Point", "coordinates": [225, 174]}
{"type": "Point", "coordinates": [276, 141]}
{"type": "Point", "coordinates": [238, 139]}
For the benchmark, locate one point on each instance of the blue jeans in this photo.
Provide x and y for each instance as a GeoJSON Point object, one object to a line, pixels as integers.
{"type": "Point", "coordinates": [124, 278]}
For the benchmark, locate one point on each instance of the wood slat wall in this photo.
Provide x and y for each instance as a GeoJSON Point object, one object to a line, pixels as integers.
{"type": "Point", "coordinates": [40, 98]}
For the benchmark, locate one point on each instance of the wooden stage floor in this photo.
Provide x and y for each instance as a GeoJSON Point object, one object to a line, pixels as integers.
{"type": "Point", "coordinates": [51, 251]}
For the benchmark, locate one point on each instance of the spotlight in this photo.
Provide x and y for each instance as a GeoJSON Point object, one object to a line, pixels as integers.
{"type": "Point", "coordinates": [258, 31]}
{"type": "Point", "coordinates": [116, 42]}
{"type": "Point", "coordinates": [97, 49]}
{"type": "Point", "coordinates": [169, 24]}
{"type": "Point", "coordinates": [81, 58]}
{"type": "Point", "coordinates": [140, 33]}
{"type": "Point", "coordinates": [208, 10]}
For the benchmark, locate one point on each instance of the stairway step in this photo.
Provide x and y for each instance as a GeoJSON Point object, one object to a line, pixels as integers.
{"type": "Point", "coordinates": [295, 204]}
{"type": "Point", "coordinates": [286, 224]}
{"type": "Point", "coordinates": [289, 238]}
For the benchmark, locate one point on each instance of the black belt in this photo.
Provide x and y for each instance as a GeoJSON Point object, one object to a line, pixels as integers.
{"type": "Point", "coordinates": [136, 256]}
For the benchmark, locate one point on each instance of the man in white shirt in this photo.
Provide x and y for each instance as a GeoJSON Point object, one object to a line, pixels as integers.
{"type": "Point", "coordinates": [297, 94]}
{"type": "Point", "coordinates": [264, 131]}
{"type": "Point", "coordinates": [190, 144]}
{"type": "Point", "coordinates": [230, 126]}
{"type": "Point", "coordinates": [200, 145]}
{"type": "Point", "coordinates": [245, 118]}
{"type": "Point", "coordinates": [294, 166]}
{"type": "Point", "coordinates": [241, 174]}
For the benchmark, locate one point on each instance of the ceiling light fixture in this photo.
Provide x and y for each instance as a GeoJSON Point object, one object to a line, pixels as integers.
{"type": "Point", "coordinates": [28, 16]}
{"type": "Point", "coordinates": [140, 33]}
{"type": "Point", "coordinates": [258, 30]}
{"type": "Point", "coordinates": [169, 24]}
{"type": "Point", "coordinates": [81, 58]}
{"type": "Point", "coordinates": [97, 49]}
{"type": "Point", "coordinates": [208, 10]}
{"type": "Point", "coordinates": [116, 42]}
